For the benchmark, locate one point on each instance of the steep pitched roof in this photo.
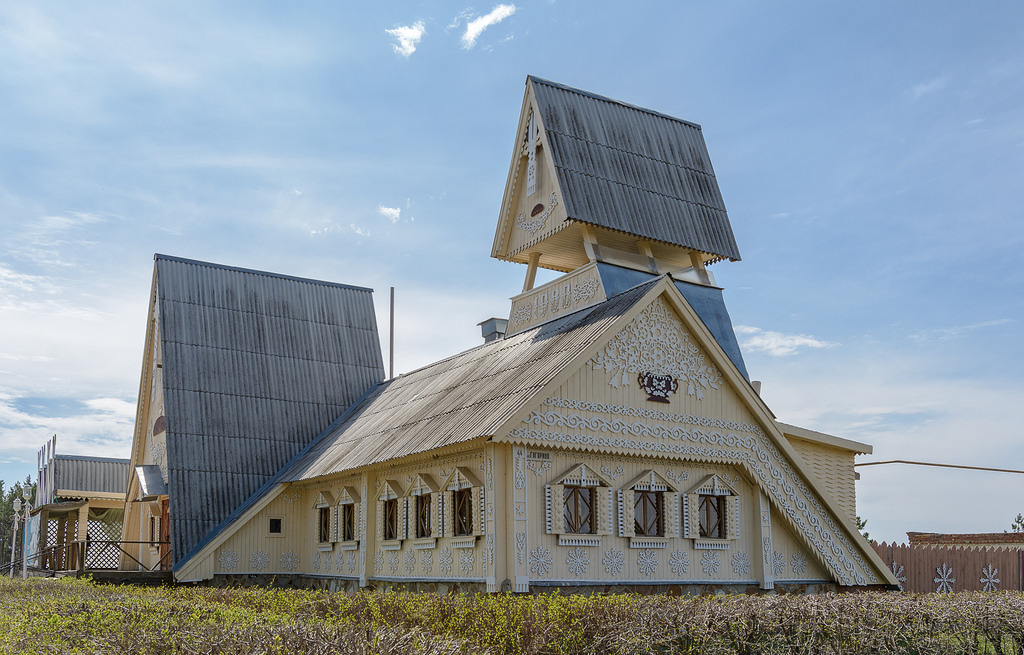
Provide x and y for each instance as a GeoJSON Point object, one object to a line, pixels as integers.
{"type": "Point", "coordinates": [633, 170]}
{"type": "Point", "coordinates": [460, 398]}
{"type": "Point", "coordinates": [255, 365]}
{"type": "Point", "coordinates": [82, 475]}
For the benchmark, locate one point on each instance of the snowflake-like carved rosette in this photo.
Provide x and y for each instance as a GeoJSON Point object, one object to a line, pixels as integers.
{"type": "Point", "coordinates": [378, 562]}
{"type": "Point", "coordinates": [988, 579]}
{"type": "Point", "coordinates": [778, 564]}
{"type": "Point", "coordinates": [799, 563]}
{"type": "Point", "coordinates": [351, 563]}
{"type": "Point", "coordinates": [710, 563]}
{"type": "Point", "coordinates": [740, 563]}
{"type": "Point", "coordinates": [679, 562]}
{"type": "Point", "coordinates": [577, 560]}
{"type": "Point", "coordinates": [944, 579]}
{"type": "Point", "coordinates": [897, 572]}
{"type": "Point", "coordinates": [410, 562]}
{"type": "Point", "coordinates": [259, 560]}
{"type": "Point", "coordinates": [228, 560]}
{"type": "Point", "coordinates": [467, 559]}
{"type": "Point", "coordinates": [426, 562]}
{"type": "Point", "coordinates": [290, 561]}
{"type": "Point", "coordinates": [647, 562]}
{"type": "Point", "coordinates": [540, 561]}
{"type": "Point", "coordinates": [316, 560]}
{"type": "Point", "coordinates": [445, 561]}
{"type": "Point", "coordinates": [393, 562]}
{"type": "Point", "coordinates": [656, 342]}
{"type": "Point", "coordinates": [613, 561]}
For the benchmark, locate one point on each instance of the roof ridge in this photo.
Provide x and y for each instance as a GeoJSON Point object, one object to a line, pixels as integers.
{"type": "Point", "coordinates": [595, 96]}
{"type": "Point", "coordinates": [251, 271]}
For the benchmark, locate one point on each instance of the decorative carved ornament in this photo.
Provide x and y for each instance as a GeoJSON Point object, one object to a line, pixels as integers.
{"type": "Point", "coordinates": [768, 465]}
{"type": "Point", "coordinates": [538, 221]}
{"type": "Point", "coordinates": [656, 347]}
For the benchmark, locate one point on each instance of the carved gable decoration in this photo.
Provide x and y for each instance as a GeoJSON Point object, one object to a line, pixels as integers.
{"type": "Point", "coordinates": [389, 489]}
{"type": "Point", "coordinates": [650, 480]}
{"type": "Point", "coordinates": [324, 499]}
{"type": "Point", "coordinates": [460, 478]}
{"type": "Point", "coordinates": [712, 485]}
{"type": "Point", "coordinates": [656, 352]}
{"type": "Point", "coordinates": [348, 496]}
{"type": "Point", "coordinates": [422, 484]}
{"type": "Point", "coordinates": [582, 476]}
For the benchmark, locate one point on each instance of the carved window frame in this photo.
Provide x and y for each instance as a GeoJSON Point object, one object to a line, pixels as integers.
{"type": "Point", "coordinates": [461, 485]}
{"type": "Point", "coordinates": [563, 489]}
{"type": "Point", "coordinates": [728, 502]}
{"type": "Point", "coordinates": [649, 484]}
{"type": "Point", "coordinates": [347, 519]}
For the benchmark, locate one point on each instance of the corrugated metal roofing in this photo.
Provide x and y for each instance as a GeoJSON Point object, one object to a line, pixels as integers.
{"type": "Point", "coordinates": [255, 365]}
{"type": "Point", "coordinates": [634, 170]}
{"type": "Point", "coordinates": [89, 474]}
{"type": "Point", "coordinates": [460, 398]}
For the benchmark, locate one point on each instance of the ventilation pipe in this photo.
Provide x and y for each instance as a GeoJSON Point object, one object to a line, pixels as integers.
{"type": "Point", "coordinates": [493, 329]}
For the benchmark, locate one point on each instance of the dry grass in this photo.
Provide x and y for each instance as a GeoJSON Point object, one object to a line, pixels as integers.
{"type": "Point", "coordinates": [68, 616]}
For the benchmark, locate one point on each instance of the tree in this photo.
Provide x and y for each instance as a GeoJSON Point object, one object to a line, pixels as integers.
{"type": "Point", "coordinates": [861, 525]}
{"type": "Point", "coordinates": [1018, 524]}
{"type": "Point", "coordinates": [7, 497]}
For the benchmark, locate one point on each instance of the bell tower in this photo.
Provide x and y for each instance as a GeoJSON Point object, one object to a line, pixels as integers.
{"type": "Point", "coordinates": [609, 194]}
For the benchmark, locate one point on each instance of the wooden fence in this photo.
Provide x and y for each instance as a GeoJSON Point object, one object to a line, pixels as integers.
{"type": "Point", "coordinates": [926, 568]}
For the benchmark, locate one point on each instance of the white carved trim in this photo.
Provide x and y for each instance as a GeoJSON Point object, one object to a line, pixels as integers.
{"type": "Point", "coordinates": [577, 540]}
{"type": "Point", "coordinates": [465, 542]}
{"type": "Point", "coordinates": [648, 542]}
{"type": "Point", "coordinates": [424, 544]}
{"type": "Point", "coordinates": [762, 456]}
{"type": "Point", "coordinates": [391, 545]}
{"type": "Point", "coordinates": [711, 544]}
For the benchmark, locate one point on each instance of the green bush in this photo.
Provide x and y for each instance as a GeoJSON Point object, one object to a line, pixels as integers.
{"type": "Point", "coordinates": [77, 616]}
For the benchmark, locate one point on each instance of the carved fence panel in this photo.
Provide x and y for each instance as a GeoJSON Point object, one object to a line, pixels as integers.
{"type": "Point", "coordinates": [944, 569]}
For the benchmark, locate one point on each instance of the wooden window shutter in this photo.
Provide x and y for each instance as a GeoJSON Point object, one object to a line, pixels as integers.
{"type": "Point", "coordinates": [670, 506]}
{"type": "Point", "coordinates": [554, 508]}
{"type": "Point", "coordinates": [380, 520]}
{"type": "Point", "coordinates": [692, 509]}
{"type": "Point", "coordinates": [355, 522]}
{"type": "Point", "coordinates": [334, 524]}
{"type": "Point", "coordinates": [449, 513]}
{"type": "Point", "coordinates": [628, 513]}
{"type": "Point", "coordinates": [436, 501]}
{"type": "Point", "coordinates": [732, 517]}
{"type": "Point", "coordinates": [477, 511]}
{"type": "Point", "coordinates": [605, 507]}
{"type": "Point", "coordinates": [410, 517]}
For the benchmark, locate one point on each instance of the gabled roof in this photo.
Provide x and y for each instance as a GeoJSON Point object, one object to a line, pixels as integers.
{"type": "Point", "coordinates": [254, 366]}
{"type": "Point", "coordinates": [77, 476]}
{"type": "Point", "coordinates": [632, 170]}
{"type": "Point", "coordinates": [460, 398]}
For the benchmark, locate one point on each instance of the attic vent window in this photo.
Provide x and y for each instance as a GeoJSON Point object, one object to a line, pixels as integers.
{"type": "Point", "coordinates": [275, 525]}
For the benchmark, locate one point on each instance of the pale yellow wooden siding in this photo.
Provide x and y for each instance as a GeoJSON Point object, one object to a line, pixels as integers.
{"type": "Point", "coordinates": [833, 471]}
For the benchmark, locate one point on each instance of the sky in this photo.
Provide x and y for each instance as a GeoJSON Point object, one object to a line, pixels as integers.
{"type": "Point", "coordinates": [870, 155]}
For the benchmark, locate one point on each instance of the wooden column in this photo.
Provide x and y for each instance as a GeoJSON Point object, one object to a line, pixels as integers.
{"type": "Point", "coordinates": [765, 513]}
{"type": "Point", "coordinates": [531, 271]}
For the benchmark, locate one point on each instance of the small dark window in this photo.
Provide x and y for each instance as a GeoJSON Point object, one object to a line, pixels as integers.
{"type": "Point", "coordinates": [712, 515]}
{"type": "Point", "coordinates": [579, 510]}
{"type": "Point", "coordinates": [391, 519]}
{"type": "Point", "coordinates": [647, 512]}
{"type": "Point", "coordinates": [463, 512]}
{"type": "Point", "coordinates": [324, 525]}
{"type": "Point", "coordinates": [348, 522]}
{"type": "Point", "coordinates": [423, 528]}
{"type": "Point", "coordinates": [275, 526]}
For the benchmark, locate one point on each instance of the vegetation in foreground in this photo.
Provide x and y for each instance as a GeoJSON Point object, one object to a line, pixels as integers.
{"type": "Point", "coordinates": [77, 616]}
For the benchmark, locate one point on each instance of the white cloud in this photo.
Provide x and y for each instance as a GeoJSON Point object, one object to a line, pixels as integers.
{"type": "Point", "coordinates": [755, 339]}
{"type": "Point", "coordinates": [475, 27]}
{"type": "Point", "coordinates": [390, 213]}
{"type": "Point", "coordinates": [358, 230]}
{"type": "Point", "coordinates": [408, 37]}
{"type": "Point", "coordinates": [945, 334]}
{"type": "Point", "coordinates": [929, 87]}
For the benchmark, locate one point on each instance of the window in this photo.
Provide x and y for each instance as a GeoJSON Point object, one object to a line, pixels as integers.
{"type": "Point", "coordinates": [712, 517]}
{"type": "Point", "coordinates": [463, 512]}
{"type": "Point", "coordinates": [579, 509]}
{"type": "Point", "coordinates": [390, 519]}
{"type": "Point", "coordinates": [348, 522]}
{"type": "Point", "coordinates": [324, 524]}
{"type": "Point", "coordinates": [648, 513]}
{"type": "Point", "coordinates": [423, 523]}
{"type": "Point", "coordinates": [275, 525]}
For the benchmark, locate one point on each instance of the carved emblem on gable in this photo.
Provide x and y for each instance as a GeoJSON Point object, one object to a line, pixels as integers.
{"type": "Point", "coordinates": [539, 217]}
{"type": "Point", "coordinates": [658, 350]}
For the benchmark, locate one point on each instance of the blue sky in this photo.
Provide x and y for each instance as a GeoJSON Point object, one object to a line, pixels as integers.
{"type": "Point", "coordinates": [870, 155]}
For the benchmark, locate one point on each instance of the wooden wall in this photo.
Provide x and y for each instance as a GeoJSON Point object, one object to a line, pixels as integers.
{"type": "Point", "coordinates": [925, 569]}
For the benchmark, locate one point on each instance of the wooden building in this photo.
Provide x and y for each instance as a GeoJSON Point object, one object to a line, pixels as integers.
{"type": "Point", "coordinates": [609, 439]}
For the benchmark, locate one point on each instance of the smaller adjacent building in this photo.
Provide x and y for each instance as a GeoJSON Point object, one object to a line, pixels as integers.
{"type": "Point", "coordinates": [77, 521]}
